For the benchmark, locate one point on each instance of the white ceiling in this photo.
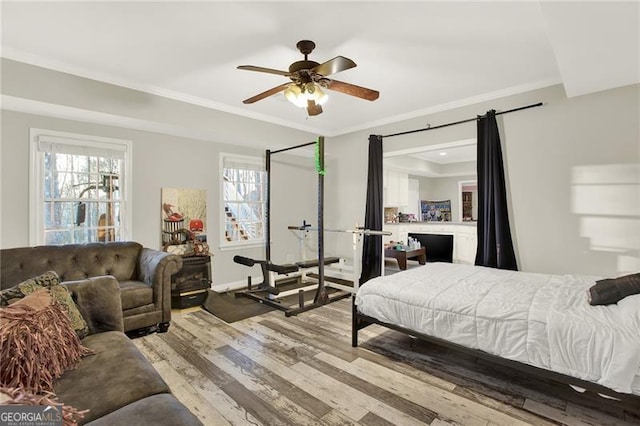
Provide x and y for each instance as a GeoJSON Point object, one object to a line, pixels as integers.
{"type": "Point", "coordinates": [449, 155]}
{"type": "Point", "coordinates": [456, 158]}
{"type": "Point", "coordinates": [422, 56]}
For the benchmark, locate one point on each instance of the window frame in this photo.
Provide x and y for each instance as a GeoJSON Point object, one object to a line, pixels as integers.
{"type": "Point", "coordinates": [36, 178]}
{"type": "Point", "coordinates": [223, 244]}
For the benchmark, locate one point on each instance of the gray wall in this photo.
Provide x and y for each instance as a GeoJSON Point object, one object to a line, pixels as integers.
{"type": "Point", "coordinates": [547, 151]}
{"type": "Point", "coordinates": [159, 161]}
{"type": "Point", "coordinates": [444, 188]}
{"type": "Point", "coordinates": [555, 156]}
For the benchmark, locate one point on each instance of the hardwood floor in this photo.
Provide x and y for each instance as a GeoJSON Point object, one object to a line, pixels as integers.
{"type": "Point", "coordinates": [273, 370]}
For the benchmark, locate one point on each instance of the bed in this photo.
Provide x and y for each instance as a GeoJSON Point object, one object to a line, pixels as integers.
{"type": "Point", "coordinates": [537, 320]}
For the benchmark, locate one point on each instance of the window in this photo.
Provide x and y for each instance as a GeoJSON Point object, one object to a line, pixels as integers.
{"type": "Point", "coordinates": [80, 188]}
{"type": "Point", "coordinates": [243, 197]}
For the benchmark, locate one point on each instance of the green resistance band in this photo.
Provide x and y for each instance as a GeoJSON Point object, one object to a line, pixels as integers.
{"type": "Point", "coordinates": [319, 168]}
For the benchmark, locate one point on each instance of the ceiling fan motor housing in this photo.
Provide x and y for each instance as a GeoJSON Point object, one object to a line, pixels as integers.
{"type": "Point", "coordinates": [306, 46]}
{"type": "Point", "coordinates": [302, 65]}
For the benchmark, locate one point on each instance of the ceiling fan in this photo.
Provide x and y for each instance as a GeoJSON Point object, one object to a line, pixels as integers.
{"type": "Point", "coordinates": [308, 78]}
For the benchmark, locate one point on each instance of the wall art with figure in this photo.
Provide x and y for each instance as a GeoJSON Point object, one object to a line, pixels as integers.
{"type": "Point", "coordinates": [184, 221]}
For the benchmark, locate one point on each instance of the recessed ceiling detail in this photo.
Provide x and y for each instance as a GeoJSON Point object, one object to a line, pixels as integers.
{"type": "Point", "coordinates": [467, 52]}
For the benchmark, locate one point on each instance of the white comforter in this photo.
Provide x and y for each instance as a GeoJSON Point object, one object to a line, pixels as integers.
{"type": "Point", "coordinates": [538, 319]}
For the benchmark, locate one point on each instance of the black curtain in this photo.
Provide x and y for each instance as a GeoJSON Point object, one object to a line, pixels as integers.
{"type": "Point", "coordinates": [495, 248]}
{"type": "Point", "coordinates": [372, 248]}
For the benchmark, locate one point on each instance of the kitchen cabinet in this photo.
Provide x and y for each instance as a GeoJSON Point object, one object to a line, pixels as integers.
{"type": "Point", "coordinates": [395, 188]}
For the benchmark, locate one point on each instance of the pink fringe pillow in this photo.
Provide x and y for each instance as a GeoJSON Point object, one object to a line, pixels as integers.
{"type": "Point", "coordinates": [18, 396]}
{"type": "Point", "coordinates": [37, 343]}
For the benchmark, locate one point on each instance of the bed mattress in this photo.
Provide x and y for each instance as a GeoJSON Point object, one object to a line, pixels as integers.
{"type": "Point", "coordinates": [538, 319]}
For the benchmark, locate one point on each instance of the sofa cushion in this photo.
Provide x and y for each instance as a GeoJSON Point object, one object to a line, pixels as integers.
{"type": "Point", "coordinates": [71, 261]}
{"type": "Point", "coordinates": [98, 299]}
{"type": "Point", "coordinates": [162, 409]}
{"type": "Point", "coordinates": [37, 342]}
{"type": "Point", "coordinates": [118, 363]}
{"type": "Point", "coordinates": [59, 293]}
{"type": "Point", "coordinates": [135, 294]}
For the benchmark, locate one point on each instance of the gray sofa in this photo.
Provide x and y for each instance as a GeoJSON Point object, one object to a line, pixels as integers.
{"type": "Point", "coordinates": [143, 274]}
{"type": "Point", "coordinates": [117, 384]}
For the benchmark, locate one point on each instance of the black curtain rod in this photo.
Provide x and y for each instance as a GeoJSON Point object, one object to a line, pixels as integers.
{"type": "Point", "coordinates": [293, 147]}
{"type": "Point", "coordinates": [462, 121]}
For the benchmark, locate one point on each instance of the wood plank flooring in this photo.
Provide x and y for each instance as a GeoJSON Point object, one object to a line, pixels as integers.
{"type": "Point", "coordinates": [273, 370]}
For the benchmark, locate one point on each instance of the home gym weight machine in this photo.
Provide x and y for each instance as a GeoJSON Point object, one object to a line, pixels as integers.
{"type": "Point", "coordinates": [269, 269]}
{"type": "Point", "coordinates": [338, 278]}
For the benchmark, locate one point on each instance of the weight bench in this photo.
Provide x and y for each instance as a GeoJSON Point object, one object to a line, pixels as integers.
{"type": "Point", "coordinates": [306, 264]}
{"type": "Point", "coordinates": [268, 284]}
{"type": "Point", "coordinates": [268, 279]}
{"type": "Point", "coordinates": [313, 263]}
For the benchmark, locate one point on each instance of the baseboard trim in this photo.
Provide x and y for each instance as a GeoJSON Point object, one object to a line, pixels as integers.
{"type": "Point", "coordinates": [234, 285]}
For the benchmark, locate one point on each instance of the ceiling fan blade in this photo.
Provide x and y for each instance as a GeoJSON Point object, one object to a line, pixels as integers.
{"type": "Point", "coordinates": [332, 66]}
{"type": "Point", "coordinates": [353, 90]}
{"type": "Point", "coordinates": [313, 108]}
{"type": "Point", "coordinates": [263, 69]}
{"type": "Point", "coordinates": [266, 94]}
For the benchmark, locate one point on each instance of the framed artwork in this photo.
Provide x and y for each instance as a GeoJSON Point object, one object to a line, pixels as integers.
{"type": "Point", "coordinates": [436, 211]}
{"type": "Point", "coordinates": [184, 220]}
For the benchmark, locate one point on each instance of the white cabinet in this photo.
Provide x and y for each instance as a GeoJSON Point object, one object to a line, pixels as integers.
{"type": "Point", "coordinates": [413, 205]}
{"type": "Point", "coordinates": [396, 189]}
{"type": "Point", "coordinates": [465, 238]}
{"type": "Point", "coordinates": [465, 246]}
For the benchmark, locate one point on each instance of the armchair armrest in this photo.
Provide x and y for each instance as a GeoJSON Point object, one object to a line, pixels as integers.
{"type": "Point", "coordinates": [98, 300]}
{"type": "Point", "coordinates": [155, 268]}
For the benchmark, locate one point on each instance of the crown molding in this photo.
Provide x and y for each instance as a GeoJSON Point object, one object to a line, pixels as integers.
{"type": "Point", "coordinates": [503, 93]}
{"type": "Point", "coordinates": [39, 61]}
{"type": "Point", "coordinates": [29, 106]}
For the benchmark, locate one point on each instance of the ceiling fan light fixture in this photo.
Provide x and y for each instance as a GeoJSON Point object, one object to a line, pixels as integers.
{"type": "Point", "coordinates": [295, 95]}
{"type": "Point", "coordinates": [315, 93]}
{"type": "Point", "coordinates": [321, 97]}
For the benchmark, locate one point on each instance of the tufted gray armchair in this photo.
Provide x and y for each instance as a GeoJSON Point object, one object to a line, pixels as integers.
{"type": "Point", "coordinates": [144, 274]}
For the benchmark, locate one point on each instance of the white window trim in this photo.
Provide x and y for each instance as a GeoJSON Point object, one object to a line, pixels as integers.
{"type": "Point", "coordinates": [36, 193]}
{"type": "Point", "coordinates": [223, 244]}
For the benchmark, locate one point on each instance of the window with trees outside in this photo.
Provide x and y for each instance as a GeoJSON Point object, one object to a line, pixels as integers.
{"type": "Point", "coordinates": [79, 188]}
{"type": "Point", "coordinates": [243, 197]}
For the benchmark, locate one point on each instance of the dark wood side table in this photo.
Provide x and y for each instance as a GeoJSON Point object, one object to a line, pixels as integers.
{"type": "Point", "coordinates": [189, 285]}
{"type": "Point", "coordinates": [402, 255]}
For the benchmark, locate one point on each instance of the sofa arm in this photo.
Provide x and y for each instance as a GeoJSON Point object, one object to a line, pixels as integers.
{"type": "Point", "coordinates": [98, 299]}
{"type": "Point", "coordinates": [155, 268]}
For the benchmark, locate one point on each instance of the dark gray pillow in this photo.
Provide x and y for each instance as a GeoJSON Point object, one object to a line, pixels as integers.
{"type": "Point", "coordinates": [611, 290]}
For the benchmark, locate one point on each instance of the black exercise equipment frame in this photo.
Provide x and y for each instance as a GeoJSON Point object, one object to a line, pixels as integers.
{"type": "Point", "coordinates": [322, 297]}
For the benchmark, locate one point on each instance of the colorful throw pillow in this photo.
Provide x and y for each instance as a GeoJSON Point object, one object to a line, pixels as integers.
{"type": "Point", "coordinates": [19, 396]}
{"type": "Point", "coordinates": [37, 343]}
{"type": "Point", "coordinates": [19, 291]}
{"type": "Point", "coordinates": [612, 290]}
{"type": "Point", "coordinates": [58, 292]}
